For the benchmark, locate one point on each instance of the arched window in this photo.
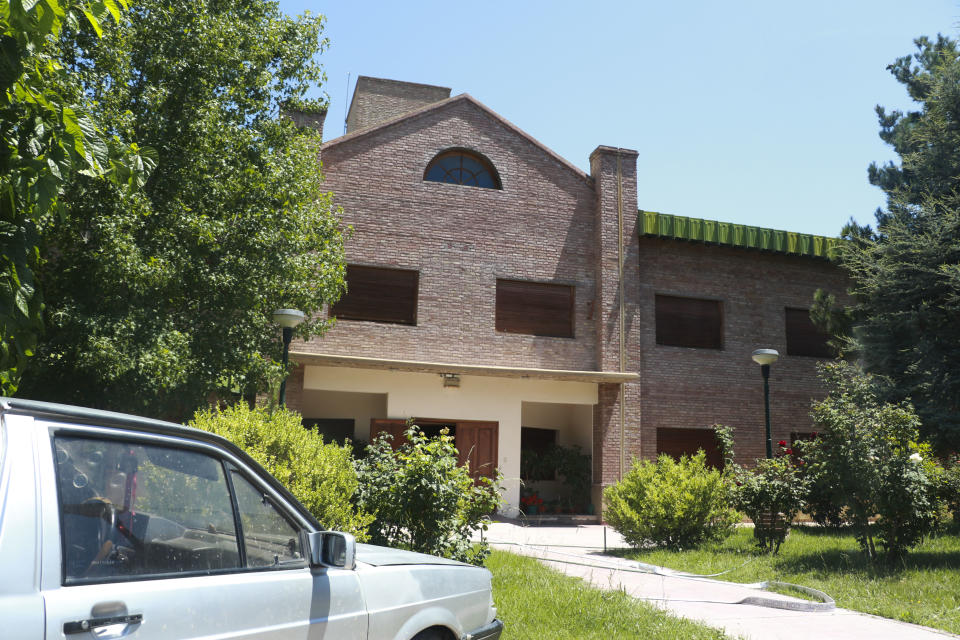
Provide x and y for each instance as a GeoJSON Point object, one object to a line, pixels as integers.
{"type": "Point", "coordinates": [458, 166]}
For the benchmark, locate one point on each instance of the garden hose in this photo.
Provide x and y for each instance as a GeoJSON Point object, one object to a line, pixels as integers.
{"type": "Point", "coordinates": [826, 603]}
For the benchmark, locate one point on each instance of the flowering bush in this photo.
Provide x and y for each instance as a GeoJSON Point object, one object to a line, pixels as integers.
{"type": "Point", "coordinates": [867, 461]}
{"type": "Point", "coordinates": [771, 494]}
{"type": "Point", "coordinates": [670, 503]}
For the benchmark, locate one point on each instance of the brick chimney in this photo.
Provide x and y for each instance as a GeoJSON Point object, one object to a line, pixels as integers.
{"type": "Point", "coordinates": [377, 100]}
{"type": "Point", "coordinates": [616, 420]}
{"type": "Point", "coordinates": [308, 120]}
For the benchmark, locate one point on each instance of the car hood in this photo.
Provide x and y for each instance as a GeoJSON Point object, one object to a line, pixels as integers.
{"type": "Point", "coordinates": [386, 556]}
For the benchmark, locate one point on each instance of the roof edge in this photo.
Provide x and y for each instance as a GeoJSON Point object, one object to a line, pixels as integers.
{"type": "Point", "coordinates": [444, 103]}
{"type": "Point", "coordinates": [665, 225]}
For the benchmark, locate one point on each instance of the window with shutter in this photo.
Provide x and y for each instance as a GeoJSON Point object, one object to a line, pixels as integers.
{"type": "Point", "coordinates": [686, 442]}
{"type": "Point", "coordinates": [803, 337]}
{"type": "Point", "coordinates": [379, 294]}
{"type": "Point", "coordinates": [689, 322]}
{"type": "Point", "coordinates": [535, 308]}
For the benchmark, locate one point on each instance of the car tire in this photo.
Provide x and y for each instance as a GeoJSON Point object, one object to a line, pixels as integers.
{"type": "Point", "coordinates": [432, 634]}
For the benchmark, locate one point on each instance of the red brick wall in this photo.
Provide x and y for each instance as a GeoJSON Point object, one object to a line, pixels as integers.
{"type": "Point", "coordinates": [377, 100]}
{"type": "Point", "coordinates": [461, 239]}
{"type": "Point", "coordinates": [684, 387]}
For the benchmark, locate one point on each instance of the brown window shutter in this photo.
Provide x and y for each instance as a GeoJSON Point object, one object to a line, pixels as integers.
{"type": "Point", "coordinates": [535, 308]}
{"type": "Point", "coordinates": [803, 337]}
{"type": "Point", "coordinates": [689, 322]}
{"type": "Point", "coordinates": [378, 294]}
{"type": "Point", "coordinates": [686, 442]}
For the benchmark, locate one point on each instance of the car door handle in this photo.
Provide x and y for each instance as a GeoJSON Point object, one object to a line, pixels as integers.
{"type": "Point", "coordinates": [81, 626]}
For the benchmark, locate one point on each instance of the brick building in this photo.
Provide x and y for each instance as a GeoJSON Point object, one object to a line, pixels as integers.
{"type": "Point", "coordinates": [498, 290]}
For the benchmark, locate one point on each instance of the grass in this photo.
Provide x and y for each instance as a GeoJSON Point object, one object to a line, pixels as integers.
{"type": "Point", "coordinates": [924, 590]}
{"type": "Point", "coordinates": [537, 602]}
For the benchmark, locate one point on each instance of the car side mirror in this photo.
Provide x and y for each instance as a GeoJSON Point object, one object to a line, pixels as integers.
{"type": "Point", "coordinates": [332, 549]}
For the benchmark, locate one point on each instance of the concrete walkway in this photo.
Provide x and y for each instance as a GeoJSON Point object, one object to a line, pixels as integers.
{"type": "Point", "coordinates": [713, 602]}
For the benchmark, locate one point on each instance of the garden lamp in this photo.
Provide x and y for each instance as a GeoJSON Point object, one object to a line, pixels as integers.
{"type": "Point", "coordinates": [288, 319]}
{"type": "Point", "coordinates": [764, 358]}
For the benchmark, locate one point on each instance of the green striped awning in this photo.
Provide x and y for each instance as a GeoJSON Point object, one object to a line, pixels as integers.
{"type": "Point", "coordinates": [736, 235]}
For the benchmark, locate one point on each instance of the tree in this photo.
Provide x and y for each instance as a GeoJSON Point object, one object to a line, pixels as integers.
{"type": "Point", "coordinates": [904, 274]}
{"type": "Point", "coordinates": [928, 139]}
{"type": "Point", "coordinates": [165, 299]}
{"type": "Point", "coordinates": [46, 136]}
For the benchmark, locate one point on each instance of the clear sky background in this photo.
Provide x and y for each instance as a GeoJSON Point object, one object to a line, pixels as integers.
{"type": "Point", "coordinates": [757, 112]}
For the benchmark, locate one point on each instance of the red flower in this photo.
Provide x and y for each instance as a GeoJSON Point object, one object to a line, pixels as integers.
{"type": "Point", "coordinates": [789, 452]}
{"type": "Point", "coordinates": [782, 443]}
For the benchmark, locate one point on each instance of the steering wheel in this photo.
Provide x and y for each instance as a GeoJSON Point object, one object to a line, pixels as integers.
{"type": "Point", "coordinates": [103, 509]}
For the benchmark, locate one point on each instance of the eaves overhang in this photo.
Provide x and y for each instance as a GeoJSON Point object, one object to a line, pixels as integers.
{"type": "Point", "coordinates": [415, 366]}
{"type": "Point", "coordinates": [743, 236]}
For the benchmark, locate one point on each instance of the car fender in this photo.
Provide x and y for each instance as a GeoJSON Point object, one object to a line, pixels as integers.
{"type": "Point", "coordinates": [426, 618]}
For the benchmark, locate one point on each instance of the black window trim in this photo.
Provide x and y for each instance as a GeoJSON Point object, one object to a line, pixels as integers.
{"type": "Point", "coordinates": [93, 432]}
{"type": "Point", "coordinates": [483, 159]}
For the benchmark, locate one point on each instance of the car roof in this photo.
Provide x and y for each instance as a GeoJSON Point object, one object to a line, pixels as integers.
{"type": "Point", "coordinates": [138, 424]}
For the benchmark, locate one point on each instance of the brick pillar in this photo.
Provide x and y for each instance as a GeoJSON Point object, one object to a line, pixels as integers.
{"type": "Point", "coordinates": [294, 391]}
{"type": "Point", "coordinates": [614, 173]}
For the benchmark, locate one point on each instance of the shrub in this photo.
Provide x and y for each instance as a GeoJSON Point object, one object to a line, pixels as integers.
{"type": "Point", "coordinates": [868, 459]}
{"type": "Point", "coordinates": [771, 494]}
{"type": "Point", "coordinates": [950, 487]}
{"type": "Point", "coordinates": [422, 499]}
{"type": "Point", "coordinates": [321, 476]}
{"type": "Point", "coordinates": [670, 503]}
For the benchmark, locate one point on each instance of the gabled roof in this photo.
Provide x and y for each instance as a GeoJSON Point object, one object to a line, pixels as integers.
{"type": "Point", "coordinates": [744, 236]}
{"type": "Point", "coordinates": [445, 104]}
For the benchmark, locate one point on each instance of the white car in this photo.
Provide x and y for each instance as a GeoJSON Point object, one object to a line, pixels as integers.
{"type": "Point", "coordinates": [115, 526]}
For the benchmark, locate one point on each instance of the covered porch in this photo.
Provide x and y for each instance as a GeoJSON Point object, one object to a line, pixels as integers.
{"type": "Point", "coordinates": [488, 409]}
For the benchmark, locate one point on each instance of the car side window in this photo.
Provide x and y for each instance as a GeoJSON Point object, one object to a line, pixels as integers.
{"type": "Point", "coordinates": [269, 538]}
{"type": "Point", "coordinates": [129, 509]}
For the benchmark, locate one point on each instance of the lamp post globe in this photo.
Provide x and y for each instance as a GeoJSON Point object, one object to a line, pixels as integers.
{"type": "Point", "coordinates": [765, 358]}
{"type": "Point", "coordinates": [288, 319]}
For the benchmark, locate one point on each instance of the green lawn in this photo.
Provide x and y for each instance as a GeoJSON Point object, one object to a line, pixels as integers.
{"type": "Point", "coordinates": [536, 602]}
{"type": "Point", "coordinates": [926, 591]}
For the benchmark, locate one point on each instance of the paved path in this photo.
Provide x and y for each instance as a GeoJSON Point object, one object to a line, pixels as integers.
{"type": "Point", "coordinates": [713, 602]}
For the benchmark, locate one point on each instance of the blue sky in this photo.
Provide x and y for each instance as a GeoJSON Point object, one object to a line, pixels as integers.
{"type": "Point", "coordinates": [758, 113]}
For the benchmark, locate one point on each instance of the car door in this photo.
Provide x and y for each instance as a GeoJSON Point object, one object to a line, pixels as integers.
{"type": "Point", "coordinates": [157, 537]}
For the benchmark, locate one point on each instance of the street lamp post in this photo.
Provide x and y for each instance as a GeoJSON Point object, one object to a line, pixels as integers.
{"type": "Point", "coordinates": [288, 319]}
{"type": "Point", "coordinates": [764, 358]}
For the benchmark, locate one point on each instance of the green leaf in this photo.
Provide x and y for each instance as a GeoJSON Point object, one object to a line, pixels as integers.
{"type": "Point", "coordinates": [111, 6]}
{"type": "Point", "coordinates": [23, 302]}
{"type": "Point", "coordinates": [93, 22]}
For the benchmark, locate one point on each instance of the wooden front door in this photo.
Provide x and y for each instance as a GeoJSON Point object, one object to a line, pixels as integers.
{"type": "Point", "coordinates": [395, 428]}
{"type": "Point", "coordinates": [477, 445]}
{"type": "Point", "coordinates": [476, 441]}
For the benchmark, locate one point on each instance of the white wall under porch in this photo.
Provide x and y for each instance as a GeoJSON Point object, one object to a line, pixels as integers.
{"type": "Point", "coordinates": [485, 398]}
